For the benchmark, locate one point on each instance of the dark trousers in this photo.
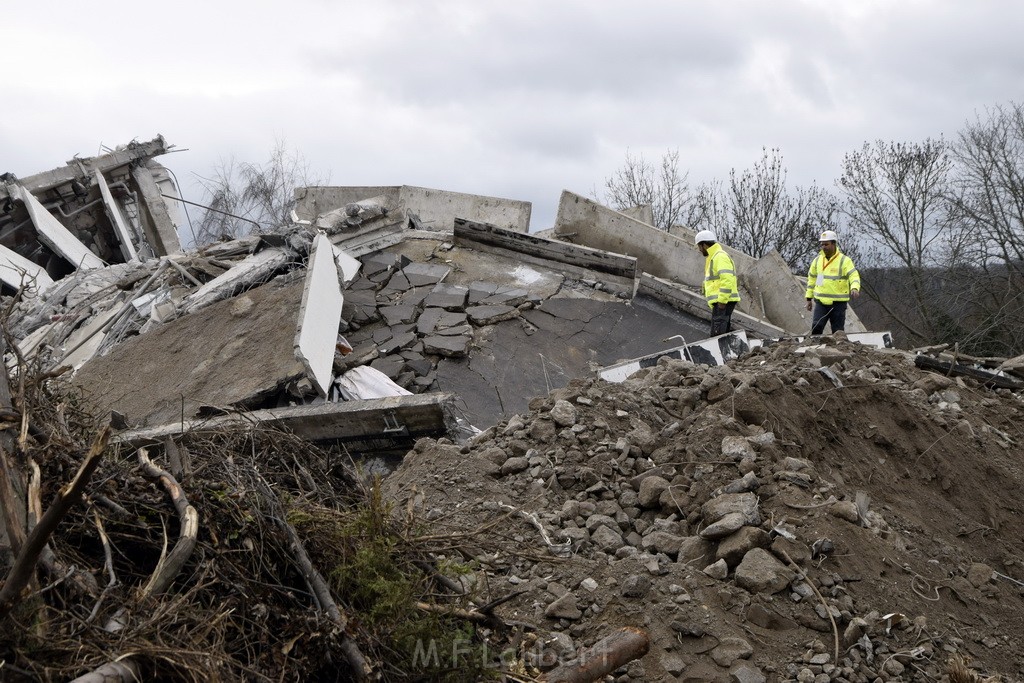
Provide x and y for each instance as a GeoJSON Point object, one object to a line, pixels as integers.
{"type": "Point", "coordinates": [721, 319]}
{"type": "Point", "coordinates": [834, 314]}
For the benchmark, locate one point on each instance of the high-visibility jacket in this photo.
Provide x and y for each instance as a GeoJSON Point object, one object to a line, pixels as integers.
{"type": "Point", "coordinates": [830, 279]}
{"type": "Point", "coordinates": [720, 286]}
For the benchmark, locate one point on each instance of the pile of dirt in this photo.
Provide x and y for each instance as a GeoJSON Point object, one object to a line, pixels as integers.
{"type": "Point", "coordinates": [815, 512]}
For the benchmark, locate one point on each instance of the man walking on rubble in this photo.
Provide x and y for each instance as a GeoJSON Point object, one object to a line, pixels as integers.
{"type": "Point", "coordinates": [831, 281]}
{"type": "Point", "coordinates": [721, 288]}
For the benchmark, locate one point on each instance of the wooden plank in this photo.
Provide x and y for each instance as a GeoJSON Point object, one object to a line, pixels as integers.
{"type": "Point", "coordinates": [549, 250]}
{"type": "Point", "coordinates": [955, 369]}
{"type": "Point", "coordinates": [79, 169]}
{"type": "Point", "coordinates": [407, 416]}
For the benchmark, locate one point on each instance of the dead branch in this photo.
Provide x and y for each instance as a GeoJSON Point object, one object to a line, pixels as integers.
{"type": "Point", "coordinates": [24, 566]}
{"type": "Point", "coordinates": [607, 655]}
{"type": "Point", "coordinates": [317, 584]}
{"type": "Point", "coordinates": [800, 572]}
{"type": "Point", "coordinates": [11, 519]}
{"type": "Point", "coordinates": [122, 671]}
{"type": "Point", "coordinates": [168, 567]}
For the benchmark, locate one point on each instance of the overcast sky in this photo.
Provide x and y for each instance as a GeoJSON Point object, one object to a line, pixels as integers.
{"type": "Point", "coordinates": [517, 99]}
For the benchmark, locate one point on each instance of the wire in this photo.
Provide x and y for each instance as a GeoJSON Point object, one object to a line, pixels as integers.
{"type": "Point", "coordinates": [195, 240]}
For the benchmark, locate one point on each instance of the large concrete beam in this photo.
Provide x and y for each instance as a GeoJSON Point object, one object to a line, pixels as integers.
{"type": "Point", "coordinates": [405, 416]}
{"type": "Point", "coordinates": [81, 169]}
{"type": "Point", "coordinates": [16, 271]}
{"type": "Point", "coordinates": [320, 315]}
{"type": "Point", "coordinates": [433, 210]}
{"type": "Point", "coordinates": [615, 270]}
{"type": "Point", "coordinates": [161, 233]}
{"type": "Point", "coordinates": [54, 235]}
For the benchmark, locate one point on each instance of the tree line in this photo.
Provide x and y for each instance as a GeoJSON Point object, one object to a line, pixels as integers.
{"type": "Point", "coordinates": [936, 226]}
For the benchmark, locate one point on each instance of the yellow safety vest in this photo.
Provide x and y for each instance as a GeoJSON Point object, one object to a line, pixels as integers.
{"type": "Point", "coordinates": [830, 279]}
{"type": "Point", "coordinates": [720, 285]}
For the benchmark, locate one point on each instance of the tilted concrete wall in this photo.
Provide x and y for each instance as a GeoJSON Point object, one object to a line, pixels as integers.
{"type": "Point", "coordinates": [435, 209]}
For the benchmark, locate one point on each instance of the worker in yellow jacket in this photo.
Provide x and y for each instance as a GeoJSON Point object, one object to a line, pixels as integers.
{"type": "Point", "coordinates": [832, 281]}
{"type": "Point", "coordinates": [721, 287]}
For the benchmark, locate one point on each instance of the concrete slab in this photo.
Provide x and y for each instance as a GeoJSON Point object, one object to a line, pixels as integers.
{"type": "Point", "coordinates": [233, 352]}
{"type": "Point", "coordinates": [53, 234]}
{"type": "Point", "coordinates": [564, 338]}
{"type": "Point", "coordinates": [489, 315]}
{"type": "Point", "coordinates": [395, 315]}
{"type": "Point", "coordinates": [424, 274]}
{"type": "Point", "coordinates": [447, 296]}
{"type": "Point", "coordinates": [121, 229]}
{"type": "Point", "coordinates": [320, 315]}
{"type": "Point", "coordinates": [456, 346]}
{"type": "Point", "coordinates": [16, 272]}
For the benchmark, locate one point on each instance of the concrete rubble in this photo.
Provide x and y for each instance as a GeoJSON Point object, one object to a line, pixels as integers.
{"type": "Point", "coordinates": [717, 493]}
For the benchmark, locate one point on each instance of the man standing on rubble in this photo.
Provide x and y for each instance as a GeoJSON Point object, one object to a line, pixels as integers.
{"type": "Point", "coordinates": [721, 288]}
{"type": "Point", "coordinates": [831, 281]}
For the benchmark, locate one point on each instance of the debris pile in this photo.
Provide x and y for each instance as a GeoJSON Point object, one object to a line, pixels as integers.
{"type": "Point", "coordinates": [759, 521]}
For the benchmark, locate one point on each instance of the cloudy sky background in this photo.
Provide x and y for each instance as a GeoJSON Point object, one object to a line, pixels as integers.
{"type": "Point", "coordinates": [517, 99]}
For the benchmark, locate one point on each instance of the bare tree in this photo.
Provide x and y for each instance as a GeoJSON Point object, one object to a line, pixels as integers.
{"type": "Point", "coordinates": [664, 188]}
{"type": "Point", "coordinates": [897, 199]}
{"type": "Point", "coordinates": [757, 213]}
{"type": "Point", "coordinates": [243, 197]}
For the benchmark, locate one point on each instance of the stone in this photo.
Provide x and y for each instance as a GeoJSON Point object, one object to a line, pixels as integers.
{"type": "Point", "coordinates": [514, 465]}
{"type": "Point", "coordinates": [760, 572]}
{"type": "Point", "coordinates": [746, 673]}
{"type": "Point", "coordinates": [606, 539]}
{"type": "Point", "coordinates": [767, 619]}
{"type": "Point", "coordinates": [650, 492]}
{"type": "Point", "coordinates": [636, 586]}
{"type": "Point", "coordinates": [737, 448]}
{"type": "Point", "coordinates": [695, 550]}
{"type": "Point", "coordinates": [979, 574]}
{"type": "Point", "coordinates": [845, 509]}
{"type": "Point", "coordinates": [426, 323]}
{"type": "Point", "coordinates": [743, 503]}
{"type": "Point", "coordinates": [726, 526]}
{"type": "Point", "coordinates": [662, 542]}
{"type": "Point", "coordinates": [564, 608]}
{"type": "Point", "coordinates": [730, 650]}
{"type": "Point", "coordinates": [563, 413]}
{"type": "Point", "coordinates": [733, 547]}
{"type": "Point", "coordinates": [717, 570]}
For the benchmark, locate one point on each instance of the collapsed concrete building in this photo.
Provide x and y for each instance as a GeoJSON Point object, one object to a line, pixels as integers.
{"type": "Point", "coordinates": [429, 308]}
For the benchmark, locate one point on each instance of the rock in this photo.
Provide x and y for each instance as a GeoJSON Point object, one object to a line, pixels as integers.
{"type": "Point", "coordinates": [717, 570]}
{"type": "Point", "coordinates": [651, 489]}
{"type": "Point", "coordinates": [672, 664]}
{"type": "Point", "coordinates": [979, 574]}
{"type": "Point", "coordinates": [748, 482]}
{"type": "Point", "coordinates": [563, 414]}
{"type": "Point", "coordinates": [845, 509]}
{"type": "Point", "coordinates": [720, 391]}
{"type": "Point", "coordinates": [767, 619]}
{"type": "Point", "coordinates": [854, 630]}
{"type": "Point", "coordinates": [514, 465]}
{"type": "Point", "coordinates": [743, 503]}
{"type": "Point", "coordinates": [564, 608]}
{"type": "Point", "coordinates": [746, 673]}
{"type": "Point", "coordinates": [662, 542]}
{"type": "Point", "coordinates": [737, 448]}
{"type": "Point", "coordinates": [695, 550]}
{"type": "Point", "coordinates": [636, 586]}
{"type": "Point", "coordinates": [596, 520]}
{"type": "Point", "coordinates": [724, 527]}
{"type": "Point", "coordinates": [760, 572]}
{"type": "Point", "coordinates": [606, 539]}
{"type": "Point", "coordinates": [730, 650]}
{"type": "Point", "coordinates": [733, 547]}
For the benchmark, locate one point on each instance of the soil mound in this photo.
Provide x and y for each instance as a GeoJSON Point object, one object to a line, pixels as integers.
{"type": "Point", "coordinates": [815, 512]}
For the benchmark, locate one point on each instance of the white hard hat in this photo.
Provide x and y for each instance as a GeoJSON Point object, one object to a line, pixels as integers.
{"type": "Point", "coordinates": [705, 236]}
{"type": "Point", "coordinates": [829, 236]}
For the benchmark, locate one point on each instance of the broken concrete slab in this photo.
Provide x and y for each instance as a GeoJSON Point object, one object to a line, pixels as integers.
{"type": "Point", "coordinates": [450, 347]}
{"type": "Point", "coordinates": [17, 272]}
{"type": "Point", "coordinates": [53, 234]}
{"type": "Point", "coordinates": [320, 315]}
{"type": "Point", "coordinates": [425, 274]}
{"type": "Point", "coordinates": [489, 315]}
{"type": "Point", "coordinates": [395, 315]}
{"type": "Point", "coordinates": [447, 296]}
{"type": "Point", "coordinates": [236, 352]}
{"type": "Point", "coordinates": [250, 271]}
